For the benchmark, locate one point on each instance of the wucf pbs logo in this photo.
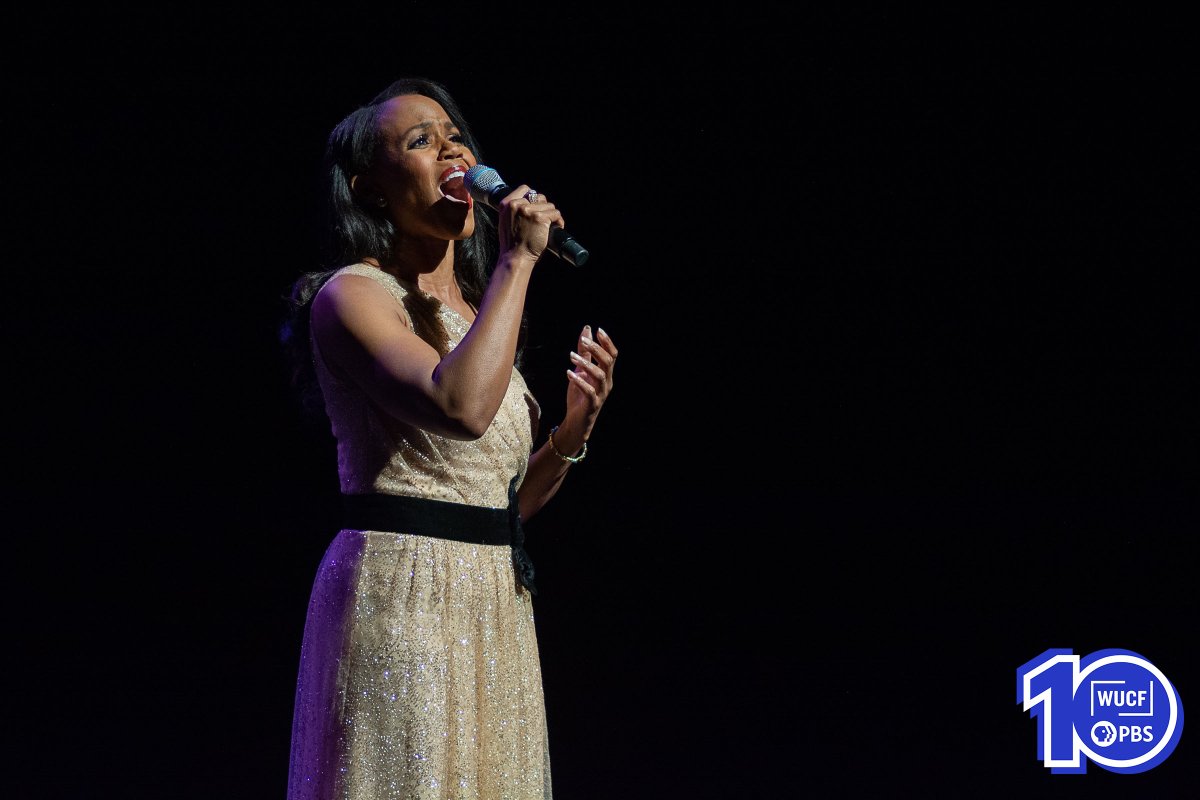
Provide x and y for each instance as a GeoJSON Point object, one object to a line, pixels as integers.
{"type": "Point", "coordinates": [1113, 706]}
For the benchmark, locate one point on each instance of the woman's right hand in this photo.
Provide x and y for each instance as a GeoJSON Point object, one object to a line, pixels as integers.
{"type": "Point", "coordinates": [524, 224]}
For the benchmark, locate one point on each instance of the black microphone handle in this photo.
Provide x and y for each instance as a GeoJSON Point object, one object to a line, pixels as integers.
{"type": "Point", "coordinates": [560, 243]}
{"type": "Point", "coordinates": [563, 245]}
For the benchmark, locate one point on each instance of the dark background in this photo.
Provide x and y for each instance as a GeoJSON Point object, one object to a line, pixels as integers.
{"type": "Point", "coordinates": [905, 396]}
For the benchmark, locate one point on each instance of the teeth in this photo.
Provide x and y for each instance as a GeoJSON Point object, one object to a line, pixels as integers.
{"type": "Point", "coordinates": [458, 172]}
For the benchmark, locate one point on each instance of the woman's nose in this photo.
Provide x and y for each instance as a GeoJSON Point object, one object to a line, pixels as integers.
{"type": "Point", "coordinates": [451, 149]}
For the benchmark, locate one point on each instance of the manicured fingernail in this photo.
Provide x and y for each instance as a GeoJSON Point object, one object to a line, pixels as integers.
{"type": "Point", "coordinates": [601, 332]}
{"type": "Point", "coordinates": [586, 341]}
{"type": "Point", "coordinates": [576, 357]}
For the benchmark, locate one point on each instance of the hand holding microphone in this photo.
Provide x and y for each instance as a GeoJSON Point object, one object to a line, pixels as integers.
{"type": "Point", "coordinates": [486, 186]}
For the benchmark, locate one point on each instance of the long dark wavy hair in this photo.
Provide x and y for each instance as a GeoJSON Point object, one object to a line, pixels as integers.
{"type": "Point", "coordinates": [354, 229]}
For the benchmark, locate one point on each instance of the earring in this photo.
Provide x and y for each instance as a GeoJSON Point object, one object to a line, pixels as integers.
{"type": "Point", "coordinates": [381, 201]}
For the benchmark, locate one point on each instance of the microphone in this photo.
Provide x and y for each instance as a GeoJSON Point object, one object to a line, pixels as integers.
{"type": "Point", "coordinates": [487, 187]}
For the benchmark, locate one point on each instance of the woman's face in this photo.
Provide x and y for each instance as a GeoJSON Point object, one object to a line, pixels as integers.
{"type": "Point", "coordinates": [419, 170]}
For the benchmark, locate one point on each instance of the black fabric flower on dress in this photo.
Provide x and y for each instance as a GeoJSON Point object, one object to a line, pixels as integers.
{"type": "Point", "coordinates": [522, 564]}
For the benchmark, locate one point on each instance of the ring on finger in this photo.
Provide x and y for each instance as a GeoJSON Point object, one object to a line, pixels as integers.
{"type": "Point", "coordinates": [531, 196]}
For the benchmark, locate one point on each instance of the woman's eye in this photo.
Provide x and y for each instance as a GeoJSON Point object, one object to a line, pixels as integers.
{"type": "Point", "coordinates": [457, 138]}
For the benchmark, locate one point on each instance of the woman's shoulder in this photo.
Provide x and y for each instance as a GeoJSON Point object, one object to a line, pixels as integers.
{"type": "Point", "coordinates": [374, 273]}
{"type": "Point", "coordinates": [352, 289]}
{"type": "Point", "coordinates": [353, 273]}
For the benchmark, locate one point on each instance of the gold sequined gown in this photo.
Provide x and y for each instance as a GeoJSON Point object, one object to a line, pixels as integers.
{"type": "Point", "coordinates": [419, 672]}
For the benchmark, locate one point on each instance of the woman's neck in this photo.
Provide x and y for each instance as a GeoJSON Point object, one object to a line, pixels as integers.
{"type": "Point", "coordinates": [428, 266]}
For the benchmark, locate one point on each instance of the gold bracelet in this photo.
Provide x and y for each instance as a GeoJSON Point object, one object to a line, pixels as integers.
{"type": "Point", "coordinates": [572, 460]}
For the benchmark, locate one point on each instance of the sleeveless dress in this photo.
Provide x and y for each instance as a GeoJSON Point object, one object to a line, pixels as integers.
{"type": "Point", "coordinates": [419, 670]}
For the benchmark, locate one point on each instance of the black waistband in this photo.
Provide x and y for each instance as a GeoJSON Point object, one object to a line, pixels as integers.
{"type": "Point", "coordinates": [444, 520]}
{"type": "Point", "coordinates": [425, 517]}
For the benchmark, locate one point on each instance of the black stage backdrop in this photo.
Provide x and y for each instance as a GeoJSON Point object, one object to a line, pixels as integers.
{"type": "Point", "coordinates": [906, 391]}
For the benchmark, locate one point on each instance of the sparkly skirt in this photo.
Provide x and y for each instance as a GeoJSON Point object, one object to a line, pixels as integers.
{"type": "Point", "coordinates": [419, 675]}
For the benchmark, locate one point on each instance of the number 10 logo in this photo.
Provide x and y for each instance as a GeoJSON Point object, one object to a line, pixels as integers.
{"type": "Point", "coordinates": [1114, 706]}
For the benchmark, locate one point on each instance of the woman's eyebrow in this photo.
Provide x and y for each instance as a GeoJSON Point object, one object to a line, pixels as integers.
{"type": "Point", "coordinates": [427, 124]}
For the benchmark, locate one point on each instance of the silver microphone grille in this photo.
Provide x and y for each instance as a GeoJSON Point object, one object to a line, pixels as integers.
{"type": "Point", "coordinates": [481, 180]}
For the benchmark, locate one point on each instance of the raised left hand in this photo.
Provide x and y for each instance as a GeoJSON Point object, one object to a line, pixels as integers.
{"type": "Point", "coordinates": [590, 380]}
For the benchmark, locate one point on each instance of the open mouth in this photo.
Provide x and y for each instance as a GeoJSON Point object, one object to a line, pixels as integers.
{"type": "Point", "coordinates": [452, 187]}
